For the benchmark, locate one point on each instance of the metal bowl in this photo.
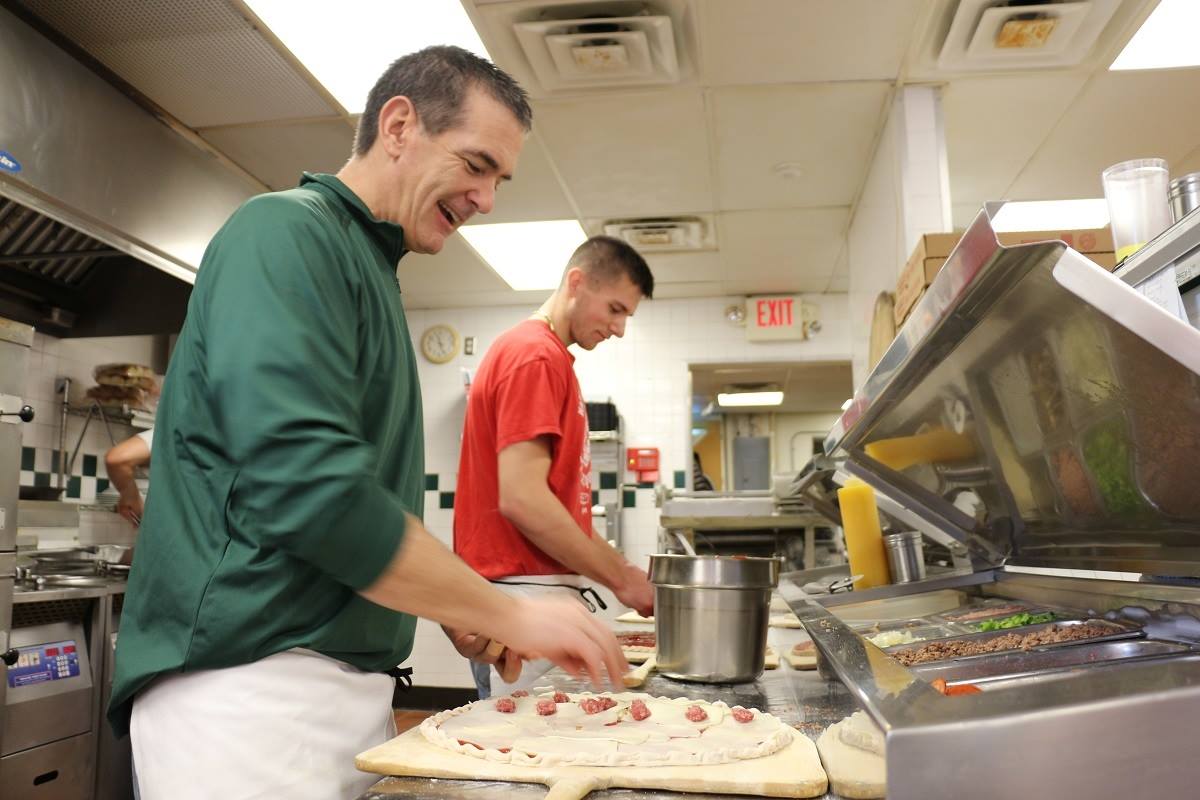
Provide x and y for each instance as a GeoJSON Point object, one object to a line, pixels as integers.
{"type": "Point", "coordinates": [711, 615]}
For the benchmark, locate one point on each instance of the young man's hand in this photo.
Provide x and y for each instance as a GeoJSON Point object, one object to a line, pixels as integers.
{"type": "Point", "coordinates": [486, 651]}
{"type": "Point", "coordinates": [636, 592]}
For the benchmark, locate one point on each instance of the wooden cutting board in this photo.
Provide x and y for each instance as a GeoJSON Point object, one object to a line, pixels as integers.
{"type": "Point", "coordinates": [794, 771]}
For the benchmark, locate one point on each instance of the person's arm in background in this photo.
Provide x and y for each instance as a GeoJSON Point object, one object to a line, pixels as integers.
{"type": "Point", "coordinates": [527, 502]}
{"type": "Point", "coordinates": [120, 462]}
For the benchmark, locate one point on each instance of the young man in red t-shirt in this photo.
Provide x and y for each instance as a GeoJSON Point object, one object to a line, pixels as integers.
{"type": "Point", "coordinates": [523, 504]}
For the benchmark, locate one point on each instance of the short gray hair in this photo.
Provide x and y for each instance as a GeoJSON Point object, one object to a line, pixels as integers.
{"type": "Point", "coordinates": [436, 80]}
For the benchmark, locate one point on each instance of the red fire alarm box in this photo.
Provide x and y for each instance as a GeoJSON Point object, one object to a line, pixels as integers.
{"type": "Point", "coordinates": [643, 461]}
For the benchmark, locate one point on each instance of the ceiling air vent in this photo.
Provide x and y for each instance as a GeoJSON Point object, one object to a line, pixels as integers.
{"type": "Point", "coordinates": [1000, 35]}
{"type": "Point", "coordinates": [664, 234]}
{"type": "Point", "coordinates": [600, 51]}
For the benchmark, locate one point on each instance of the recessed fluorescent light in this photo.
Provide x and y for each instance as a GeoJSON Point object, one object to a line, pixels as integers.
{"type": "Point", "coordinates": [735, 399]}
{"type": "Point", "coordinates": [1051, 215]}
{"type": "Point", "coordinates": [527, 255]}
{"type": "Point", "coordinates": [1166, 39]}
{"type": "Point", "coordinates": [348, 44]}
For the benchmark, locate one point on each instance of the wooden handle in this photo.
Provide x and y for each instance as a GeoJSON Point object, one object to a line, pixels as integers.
{"type": "Point", "coordinates": [638, 676]}
{"type": "Point", "coordinates": [494, 648]}
{"type": "Point", "coordinates": [574, 788]}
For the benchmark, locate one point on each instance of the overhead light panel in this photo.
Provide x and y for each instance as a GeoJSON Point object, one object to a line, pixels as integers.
{"type": "Point", "coordinates": [527, 255]}
{"type": "Point", "coordinates": [348, 44]}
{"type": "Point", "coordinates": [1051, 215]}
{"type": "Point", "coordinates": [734, 397]}
{"type": "Point", "coordinates": [1166, 40]}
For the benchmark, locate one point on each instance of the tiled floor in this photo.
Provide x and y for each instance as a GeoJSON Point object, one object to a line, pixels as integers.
{"type": "Point", "coordinates": [409, 719]}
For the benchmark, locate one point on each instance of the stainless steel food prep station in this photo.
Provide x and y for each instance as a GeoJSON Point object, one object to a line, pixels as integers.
{"type": "Point", "coordinates": [1079, 401]}
{"type": "Point", "coordinates": [1068, 503]}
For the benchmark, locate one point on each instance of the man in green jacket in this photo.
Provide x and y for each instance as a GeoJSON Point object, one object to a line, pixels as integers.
{"type": "Point", "coordinates": [282, 561]}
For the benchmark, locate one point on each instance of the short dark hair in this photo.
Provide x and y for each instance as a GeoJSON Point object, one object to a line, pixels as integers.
{"type": "Point", "coordinates": [436, 80]}
{"type": "Point", "coordinates": [606, 258]}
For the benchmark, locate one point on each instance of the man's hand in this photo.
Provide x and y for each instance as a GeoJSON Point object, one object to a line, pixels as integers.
{"type": "Point", "coordinates": [636, 592]}
{"type": "Point", "coordinates": [486, 651]}
{"type": "Point", "coordinates": [562, 631]}
{"type": "Point", "coordinates": [131, 508]}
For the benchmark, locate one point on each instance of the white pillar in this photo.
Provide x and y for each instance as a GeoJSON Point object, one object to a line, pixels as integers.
{"type": "Point", "coordinates": [907, 194]}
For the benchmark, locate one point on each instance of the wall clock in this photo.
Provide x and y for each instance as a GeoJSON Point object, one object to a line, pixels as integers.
{"type": "Point", "coordinates": [439, 343]}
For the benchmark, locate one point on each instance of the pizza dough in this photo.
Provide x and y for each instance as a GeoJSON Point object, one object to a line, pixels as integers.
{"type": "Point", "coordinates": [639, 647]}
{"type": "Point", "coordinates": [634, 617]}
{"type": "Point", "coordinates": [788, 620]}
{"type": "Point", "coordinates": [671, 734]}
{"type": "Point", "coordinates": [853, 754]}
{"type": "Point", "coordinates": [802, 655]}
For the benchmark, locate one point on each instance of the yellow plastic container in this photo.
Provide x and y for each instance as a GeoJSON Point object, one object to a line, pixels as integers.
{"type": "Point", "coordinates": [864, 538]}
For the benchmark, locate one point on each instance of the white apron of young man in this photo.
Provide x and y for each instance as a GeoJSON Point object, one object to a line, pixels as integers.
{"type": "Point", "coordinates": [288, 725]}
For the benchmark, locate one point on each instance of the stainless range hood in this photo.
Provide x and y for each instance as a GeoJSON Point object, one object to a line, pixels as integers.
{"type": "Point", "coordinates": [104, 210]}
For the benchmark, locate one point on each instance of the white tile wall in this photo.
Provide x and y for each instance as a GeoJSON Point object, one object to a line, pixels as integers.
{"type": "Point", "coordinates": [645, 374]}
{"type": "Point", "coordinates": [52, 358]}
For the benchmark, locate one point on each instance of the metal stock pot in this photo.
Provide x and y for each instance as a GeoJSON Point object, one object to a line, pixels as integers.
{"type": "Point", "coordinates": [711, 614]}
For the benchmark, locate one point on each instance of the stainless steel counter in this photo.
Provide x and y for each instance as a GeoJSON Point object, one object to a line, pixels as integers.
{"type": "Point", "coordinates": [800, 698]}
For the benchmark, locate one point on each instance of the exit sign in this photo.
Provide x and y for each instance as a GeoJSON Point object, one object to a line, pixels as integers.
{"type": "Point", "coordinates": [778, 318]}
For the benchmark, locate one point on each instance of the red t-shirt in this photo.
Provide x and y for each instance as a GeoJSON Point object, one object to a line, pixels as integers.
{"type": "Point", "coordinates": [524, 388]}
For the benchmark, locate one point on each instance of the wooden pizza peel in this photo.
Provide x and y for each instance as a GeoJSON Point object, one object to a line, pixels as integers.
{"type": "Point", "coordinates": [795, 771]}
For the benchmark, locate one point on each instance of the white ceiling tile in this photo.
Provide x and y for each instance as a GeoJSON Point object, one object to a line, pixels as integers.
{"type": "Point", "coordinates": [534, 192]}
{"type": "Point", "coordinates": [276, 154]}
{"type": "Point", "coordinates": [784, 41]}
{"type": "Point", "coordinates": [965, 213]}
{"type": "Point", "coordinates": [1118, 116]}
{"type": "Point", "coordinates": [994, 126]}
{"type": "Point", "coordinates": [455, 270]}
{"type": "Point", "coordinates": [827, 130]}
{"type": "Point", "coordinates": [635, 155]}
{"type": "Point", "coordinates": [696, 267]}
{"type": "Point", "coordinates": [784, 251]}
{"type": "Point", "coordinates": [700, 289]}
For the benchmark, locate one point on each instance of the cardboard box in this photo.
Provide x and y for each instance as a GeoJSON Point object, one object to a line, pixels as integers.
{"type": "Point", "coordinates": [933, 248]}
{"type": "Point", "coordinates": [918, 273]}
{"type": "Point", "coordinates": [900, 321]}
{"type": "Point", "coordinates": [1087, 240]}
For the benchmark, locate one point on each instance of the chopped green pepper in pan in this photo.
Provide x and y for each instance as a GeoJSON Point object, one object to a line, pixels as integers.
{"type": "Point", "coordinates": [1016, 621]}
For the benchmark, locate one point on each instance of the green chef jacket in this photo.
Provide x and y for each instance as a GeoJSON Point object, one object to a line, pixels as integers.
{"type": "Point", "coordinates": [287, 448]}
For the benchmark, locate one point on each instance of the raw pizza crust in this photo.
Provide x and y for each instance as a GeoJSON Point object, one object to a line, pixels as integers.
{"type": "Point", "coordinates": [852, 752]}
{"type": "Point", "coordinates": [610, 738]}
{"type": "Point", "coordinates": [638, 655]}
{"type": "Point", "coordinates": [804, 658]}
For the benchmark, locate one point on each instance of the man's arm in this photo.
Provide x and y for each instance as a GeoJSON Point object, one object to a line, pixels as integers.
{"type": "Point", "coordinates": [425, 579]}
{"type": "Point", "coordinates": [527, 502]}
{"type": "Point", "coordinates": [120, 462]}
